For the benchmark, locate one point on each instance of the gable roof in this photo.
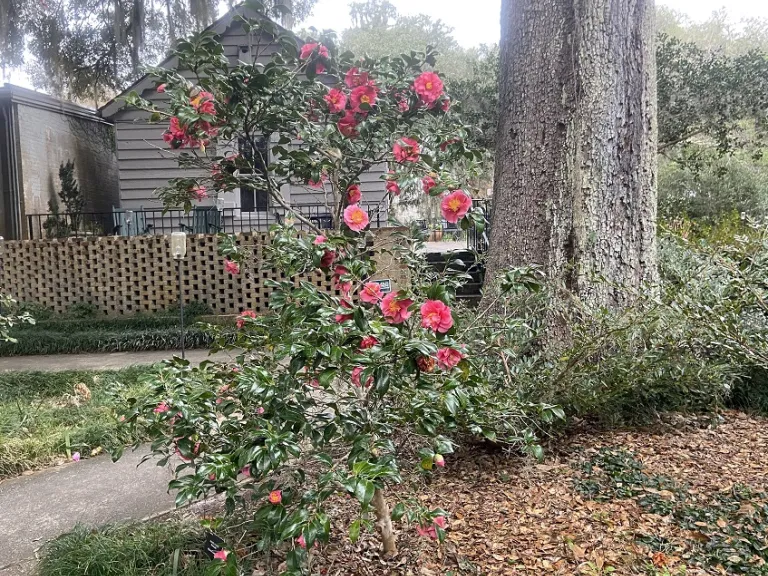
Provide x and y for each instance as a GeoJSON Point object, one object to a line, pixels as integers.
{"type": "Point", "coordinates": [220, 27]}
{"type": "Point", "coordinates": [34, 99]}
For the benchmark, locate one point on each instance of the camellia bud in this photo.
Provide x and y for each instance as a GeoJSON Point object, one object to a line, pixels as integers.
{"type": "Point", "coordinates": [439, 460]}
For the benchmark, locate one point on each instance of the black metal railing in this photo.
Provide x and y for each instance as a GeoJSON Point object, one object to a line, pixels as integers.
{"type": "Point", "coordinates": [478, 241]}
{"type": "Point", "coordinates": [200, 220]}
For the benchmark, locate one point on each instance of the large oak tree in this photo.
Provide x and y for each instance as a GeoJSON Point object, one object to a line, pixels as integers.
{"type": "Point", "coordinates": [575, 182]}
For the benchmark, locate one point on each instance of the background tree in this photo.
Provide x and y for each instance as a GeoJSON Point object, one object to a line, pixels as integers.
{"type": "Point", "coordinates": [89, 50]}
{"type": "Point", "coordinates": [575, 183]}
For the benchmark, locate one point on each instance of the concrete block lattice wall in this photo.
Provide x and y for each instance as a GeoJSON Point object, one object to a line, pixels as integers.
{"type": "Point", "coordinates": [129, 275]}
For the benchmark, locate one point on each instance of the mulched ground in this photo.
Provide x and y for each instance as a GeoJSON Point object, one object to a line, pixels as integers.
{"type": "Point", "coordinates": [513, 517]}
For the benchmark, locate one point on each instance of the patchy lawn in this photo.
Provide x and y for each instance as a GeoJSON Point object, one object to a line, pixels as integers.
{"type": "Point", "coordinates": [683, 498]}
{"type": "Point", "coordinates": [47, 416]}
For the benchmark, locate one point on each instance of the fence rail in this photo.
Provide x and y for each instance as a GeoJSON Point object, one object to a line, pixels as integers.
{"type": "Point", "coordinates": [201, 220]}
{"type": "Point", "coordinates": [478, 241]}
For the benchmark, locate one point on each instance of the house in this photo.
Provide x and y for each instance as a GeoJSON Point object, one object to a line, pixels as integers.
{"type": "Point", "coordinates": [37, 134]}
{"type": "Point", "coordinates": [146, 162]}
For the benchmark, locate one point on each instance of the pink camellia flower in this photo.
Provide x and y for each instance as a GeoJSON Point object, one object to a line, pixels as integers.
{"type": "Point", "coordinates": [320, 68]}
{"type": "Point", "coordinates": [354, 78]}
{"type": "Point", "coordinates": [448, 358]}
{"type": "Point", "coordinates": [445, 105]}
{"type": "Point", "coordinates": [393, 187]}
{"type": "Point", "coordinates": [344, 317]}
{"type": "Point", "coordinates": [428, 183]}
{"type": "Point", "coordinates": [368, 342]}
{"type": "Point", "coordinates": [394, 310]}
{"type": "Point", "coordinates": [221, 555]}
{"type": "Point", "coordinates": [260, 410]}
{"type": "Point", "coordinates": [319, 239]}
{"type": "Point", "coordinates": [444, 145]}
{"type": "Point", "coordinates": [246, 471]}
{"type": "Point", "coordinates": [431, 531]}
{"type": "Point", "coordinates": [406, 150]}
{"type": "Point", "coordinates": [355, 217]}
{"type": "Point", "coordinates": [243, 316]}
{"type": "Point", "coordinates": [160, 408]}
{"type": "Point", "coordinates": [345, 286]}
{"type": "Point", "coordinates": [327, 260]}
{"type": "Point", "coordinates": [402, 104]}
{"type": "Point", "coordinates": [439, 460]}
{"type": "Point", "coordinates": [315, 383]}
{"type": "Point", "coordinates": [371, 293]}
{"type": "Point", "coordinates": [336, 100]}
{"type": "Point", "coordinates": [231, 267]}
{"type": "Point", "coordinates": [276, 496]}
{"type": "Point", "coordinates": [428, 86]}
{"type": "Point", "coordinates": [348, 125]}
{"type": "Point", "coordinates": [455, 206]}
{"type": "Point", "coordinates": [307, 49]}
{"type": "Point", "coordinates": [363, 96]}
{"type": "Point", "coordinates": [436, 316]}
{"type": "Point", "coordinates": [203, 103]}
{"type": "Point", "coordinates": [301, 541]}
{"type": "Point", "coordinates": [76, 456]}
{"type": "Point", "coordinates": [161, 88]}
{"type": "Point", "coordinates": [357, 371]}
{"type": "Point", "coordinates": [200, 193]}
{"type": "Point", "coordinates": [354, 195]}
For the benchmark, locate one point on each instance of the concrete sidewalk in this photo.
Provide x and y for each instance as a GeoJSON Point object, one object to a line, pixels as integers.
{"type": "Point", "coordinates": [37, 508]}
{"type": "Point", "coordinates": [102, 361]}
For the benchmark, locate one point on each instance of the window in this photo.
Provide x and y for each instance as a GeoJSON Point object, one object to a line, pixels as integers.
{"type": "Point", "coordinates": [253, 200]}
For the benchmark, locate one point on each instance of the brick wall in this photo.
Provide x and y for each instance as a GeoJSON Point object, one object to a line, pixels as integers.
{"type": "Point", "coordinates": [49, 138]}
{"type": "Point", "coordinates": [127, 275]}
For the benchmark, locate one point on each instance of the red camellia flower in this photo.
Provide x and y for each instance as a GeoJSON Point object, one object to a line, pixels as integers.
{"type": "Point", "coordinates": [243, 316]}
{"type": "Point", "coordinates": [444, 145]}
{"type": "Point", "coordinates": [231, 267]}
{"type": "Point", "coordinates": [345, 286]}
{"type": "Point", "coordinates": [353, 194]}
{"type": "Point", "coordinates": [355, 217]}
{"type": "Point", "coordinates": [365, 94]}
{"type": "Point", "coordinates": [406, 150]}
{"type": "Point", "coordinates": [394, 310]}
{"type": "Point", "coordinates": [355, 78]}
{"type": "Point", "coordinates": [446, 105]}
{"type": "Point", "coordinates": [348, 125]}
{"type": "Point", "coordinates": [371, 293]}
{"type": "Point", "coordinates": [436, 316]}
{"type": "Point", "coordinates": [448, 358]}
{"type": "Point", "coordinates": [357, 371]}
{"type": "Point", "coordinates": [428, 183]}
{"type": "Point", "coordinates": [431, 531]}
{"type": "Point", "coordinates": [203, 103]}
{"type": "Point", "coordinates": [319, 239]}
{"type": "Point", "coordinates": [336, 100]}
{"type": "Point", "coordinates": [161, 88]}
{"type": "Point", "coordinates": [455, 206]}
{"type": "Point", "coordinates": [368, 342]}
{"type": "Point", "coordinates": [425, 363]}
{"type": "Point", "coordinates": [327, 260]}
{"type": "Point", "coordinates": [393, 187]}
{"type": "Point", "coordinates": [307, 49]}
{"type": "Point", "coordinates": [428, 86]}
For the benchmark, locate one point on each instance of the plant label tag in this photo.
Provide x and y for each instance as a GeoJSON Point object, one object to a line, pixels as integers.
{"type": "Point", "coordinates": [386, 285]}
{"type": "Point", "coordinates": [212, 544]}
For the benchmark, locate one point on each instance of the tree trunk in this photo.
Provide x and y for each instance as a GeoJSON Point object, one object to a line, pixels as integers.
{"type": "Point", "coordinates": [384, 522]}
{"type": "Point", "coordinates": [575, 182]}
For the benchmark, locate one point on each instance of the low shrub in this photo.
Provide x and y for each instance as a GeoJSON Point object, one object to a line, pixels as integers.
{"type": "Point", "coordinates": [138, 549]}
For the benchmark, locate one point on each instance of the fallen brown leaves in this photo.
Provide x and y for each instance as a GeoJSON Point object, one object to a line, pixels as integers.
{"type": "Point", "coordinates": [510, 516]}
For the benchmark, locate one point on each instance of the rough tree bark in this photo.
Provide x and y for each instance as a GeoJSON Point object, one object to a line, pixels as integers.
{"type": "Point", "coordinates": [384, 522]}
{"type": "Point", "coordinates": [575, 182]}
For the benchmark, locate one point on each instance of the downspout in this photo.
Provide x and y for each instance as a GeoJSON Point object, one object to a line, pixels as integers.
{"type": "Point", "coordinates": [13, 172]}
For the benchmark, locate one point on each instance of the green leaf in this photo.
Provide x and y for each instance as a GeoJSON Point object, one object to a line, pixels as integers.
{"type": "Point", "coordinates": [354, 530]}
{"type": "Point", "coordinates": [398, 511]}
{"type": "Point", "coordinates": [364, 490]}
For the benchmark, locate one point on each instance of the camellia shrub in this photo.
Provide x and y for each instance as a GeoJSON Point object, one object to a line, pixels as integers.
{"type": "Point", "coordinates": [334, 393]}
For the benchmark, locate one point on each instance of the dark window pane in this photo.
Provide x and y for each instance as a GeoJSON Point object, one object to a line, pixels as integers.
{"type": "Point", "coordinates": [254, 200]}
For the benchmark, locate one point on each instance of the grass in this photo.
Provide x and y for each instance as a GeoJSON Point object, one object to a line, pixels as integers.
{"type": "Point", "coordinates": [45, 415]}
{"type": "Point", "coordinates": [127, 550]}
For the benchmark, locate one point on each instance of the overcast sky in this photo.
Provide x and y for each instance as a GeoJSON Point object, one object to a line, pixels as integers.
{"type": "Point", "coordinates": [477, 22]}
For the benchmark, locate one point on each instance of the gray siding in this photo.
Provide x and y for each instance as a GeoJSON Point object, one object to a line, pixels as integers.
{"type": "Point", "coordinates": [146, 163]}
